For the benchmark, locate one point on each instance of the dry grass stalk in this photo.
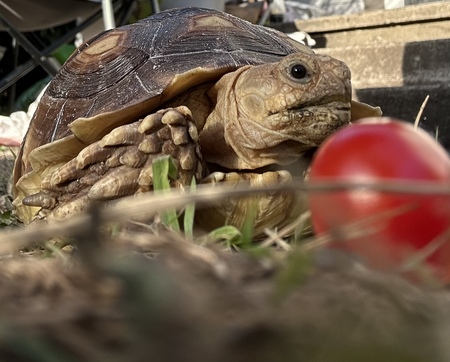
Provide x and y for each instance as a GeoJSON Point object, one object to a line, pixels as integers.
{"type": "Point", "coordinates": [419, 114]}
{"type": "Point", "coordinates": [131, 207]}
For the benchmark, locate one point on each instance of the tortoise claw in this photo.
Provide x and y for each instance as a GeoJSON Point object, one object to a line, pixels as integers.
{"type": "Point", "coordinates": [193, 131]}
{"type": "Point", "coordinates": [65, 173]}
{"type": "Point", "coordinates": [151, 144]}
{"type": "Point", "coordinates": [75, 206]}
{"type": "Point", "coordinates": [71, 172]}
{"type": "Point", "coordinates": [150, 123]}
{"type": "Point", "coordinates": [134, 158]}
{"type": "Point", "coordinates": [180, 135]}
{"type": "Point", "coordinates": [177, 116]}
{"type": "Point", "coordinates": [114, 159]}
{"type": "Point", "coordinates": [145, 179]}
{"type": "Point", "coordinates": [188, 157]}
{"type": "Point", "coordinates": [124, 135]}
{"type": "Point", "coordinates": [42, 199]}
{"type": "Point", "coordinates": [93, 153]}
{"type": "Point", "coordinates": [120, 181]}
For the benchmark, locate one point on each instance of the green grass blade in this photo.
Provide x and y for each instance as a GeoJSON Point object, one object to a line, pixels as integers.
{"type": "Point", "coordinates": [228, 234]}
{"type": "Point", "coordinates": [249, 225]}
{"type": "Point", "coordinates": [189, 215]}
{"type": "Point", "coordinates": [164, 170]}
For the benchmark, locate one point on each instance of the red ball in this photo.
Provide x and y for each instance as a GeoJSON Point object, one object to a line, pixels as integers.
{"type": "Point", "coordinates": [393, 225]}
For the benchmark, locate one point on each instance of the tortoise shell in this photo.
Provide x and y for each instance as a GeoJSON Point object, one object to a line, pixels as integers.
{"type": "Point", "coordinates": [127, 72]}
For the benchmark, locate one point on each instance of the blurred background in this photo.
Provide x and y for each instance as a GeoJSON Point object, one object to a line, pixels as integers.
{"type": "Point", "coordinates": [37, 36]}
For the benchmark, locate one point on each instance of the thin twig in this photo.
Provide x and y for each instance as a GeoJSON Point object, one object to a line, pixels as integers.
{"type": "Point", "coordinates": [420, 256]}
{"type": "Point", "coordinates": [276, 238]}
{"type": "Point", "coordinates": [355, 229]}
{"type": "Point", "coordinates": [419, 114]}
{"type": "Point", "coordinates": [151, 204]}
{"type": "Point", "coordinates": [286, 230]}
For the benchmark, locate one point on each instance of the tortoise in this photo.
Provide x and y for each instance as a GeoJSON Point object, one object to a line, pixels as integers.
{"type": "Point", "coordinates": [227, 99]}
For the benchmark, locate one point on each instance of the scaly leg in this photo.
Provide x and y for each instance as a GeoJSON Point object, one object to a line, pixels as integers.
{"type": "Point", "coordinates": [120, 164]}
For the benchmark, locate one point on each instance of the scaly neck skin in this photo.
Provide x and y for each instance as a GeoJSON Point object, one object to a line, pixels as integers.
{"type": "Point", "coordinates": [240, 132]}
{"type": "Point", "coordinates": [264, 115]}
{"type": "Point", "coordinates": [213, 140]}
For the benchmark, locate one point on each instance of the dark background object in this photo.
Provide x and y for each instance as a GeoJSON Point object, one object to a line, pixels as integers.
{"type": "Point", "coordinates": [34, 32]}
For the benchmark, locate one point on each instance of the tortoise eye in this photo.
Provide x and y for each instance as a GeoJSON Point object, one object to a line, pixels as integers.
{"type": "Point", "coordinates": [299, 71]}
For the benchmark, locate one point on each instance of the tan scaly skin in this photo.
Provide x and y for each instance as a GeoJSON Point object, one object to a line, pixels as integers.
{"type": "Point", "coordinates": [255, 117]}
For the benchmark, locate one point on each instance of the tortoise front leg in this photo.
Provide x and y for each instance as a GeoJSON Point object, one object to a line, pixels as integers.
{"type": "Point", "coordinates": [266, 210]}
{"type": "Point", "coordinates": [120, 164]}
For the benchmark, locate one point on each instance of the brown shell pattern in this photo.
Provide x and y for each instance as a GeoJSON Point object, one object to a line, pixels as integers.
{"type": "Point", "coordinates": [124, 68]}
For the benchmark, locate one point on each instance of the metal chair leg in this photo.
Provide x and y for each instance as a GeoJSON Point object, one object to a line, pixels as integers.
{"type": "Point", "coordinates": [108, 14]}
{"type": "Point", "coordinates": [155, 6]}
{"type": "Point", "coordinates": [12, 89]}
{"type": "Point", "coordinates": [29, 65]}
{"type": "Point", "coordinates": [41, 59]}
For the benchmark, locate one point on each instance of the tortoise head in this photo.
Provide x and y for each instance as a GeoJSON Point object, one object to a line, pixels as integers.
{"type": "Point", "coordinates": [273, 113]}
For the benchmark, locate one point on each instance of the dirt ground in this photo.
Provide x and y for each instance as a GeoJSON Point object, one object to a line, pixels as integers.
{"type": "Point", "coordinates": [136, 296]}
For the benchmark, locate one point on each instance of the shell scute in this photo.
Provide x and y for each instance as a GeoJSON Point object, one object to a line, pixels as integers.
{"type": "Point", "coordinates": [127, 73]}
